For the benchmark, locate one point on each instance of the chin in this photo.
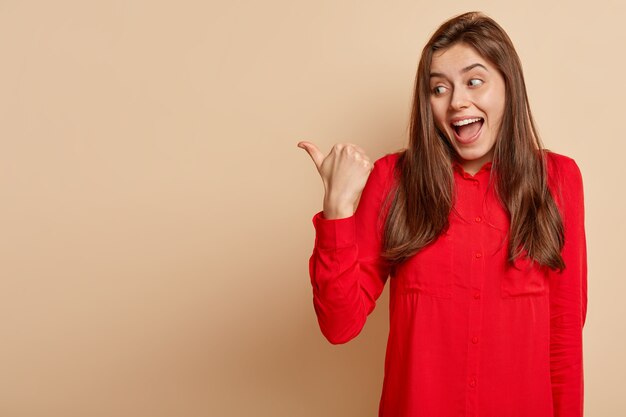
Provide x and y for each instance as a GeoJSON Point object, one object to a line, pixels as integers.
{"type": "Point", "coordinates": [471, 156]}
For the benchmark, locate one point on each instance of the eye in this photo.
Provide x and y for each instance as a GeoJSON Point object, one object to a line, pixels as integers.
{"type": "Point", "coordinates": [478, 81]}
{"type": "Point", "coordinates": [437, 91]}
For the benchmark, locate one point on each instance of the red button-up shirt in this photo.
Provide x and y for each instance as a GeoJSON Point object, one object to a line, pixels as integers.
{"type": "Point", "coordinates": [467, 336]}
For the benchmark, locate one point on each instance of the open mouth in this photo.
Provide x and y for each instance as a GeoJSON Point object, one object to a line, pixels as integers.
{"type": "Point", "coordinates": [468, 130]}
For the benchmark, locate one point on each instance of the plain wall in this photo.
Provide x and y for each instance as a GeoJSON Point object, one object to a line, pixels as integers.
{"type": "Point", "coordinates": [155, 212]}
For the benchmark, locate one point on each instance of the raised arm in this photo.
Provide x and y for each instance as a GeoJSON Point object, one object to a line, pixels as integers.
{"type": "Point", "coordinates": [346, 270]}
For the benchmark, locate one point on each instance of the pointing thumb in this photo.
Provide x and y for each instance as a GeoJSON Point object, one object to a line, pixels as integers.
{"type": "Point", "coordinates": [316, 155]}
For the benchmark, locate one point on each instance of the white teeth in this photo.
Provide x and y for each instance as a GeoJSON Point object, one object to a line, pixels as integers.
{"type": "Point", "coordinates": [466, 122]}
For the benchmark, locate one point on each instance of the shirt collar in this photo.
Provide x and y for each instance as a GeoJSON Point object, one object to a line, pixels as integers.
{"type": "Point", "coordinates": [459, 168]}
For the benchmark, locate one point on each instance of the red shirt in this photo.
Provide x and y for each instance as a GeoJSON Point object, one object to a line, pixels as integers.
{"type": "Point", "coordinates": [466, 337]}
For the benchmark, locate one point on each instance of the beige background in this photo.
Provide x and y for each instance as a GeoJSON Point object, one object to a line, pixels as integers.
{"type": "Point", "coordinates": [155, 212]}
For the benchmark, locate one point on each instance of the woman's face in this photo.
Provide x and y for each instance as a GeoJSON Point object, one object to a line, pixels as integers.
{"type": "Point", "coordinates": [464, 87]}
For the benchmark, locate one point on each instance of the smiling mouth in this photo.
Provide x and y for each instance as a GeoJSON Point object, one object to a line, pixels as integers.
{"type": "Point", "coordinates": [467, 131]}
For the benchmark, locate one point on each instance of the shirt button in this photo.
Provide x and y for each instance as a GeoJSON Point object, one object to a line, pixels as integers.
{"type": "Point", "coordinates": [474, 339]}
{"type": "Point", "coordinates": [478, 219]}
{"type": "Point", "coordinates": [472, 383]}
{"type": "Point", "coordinates": [478, 254]}
{"type": "Point", "coordinates": [476, 296]}
{"type": "Point", "coordinates": [476, 183]}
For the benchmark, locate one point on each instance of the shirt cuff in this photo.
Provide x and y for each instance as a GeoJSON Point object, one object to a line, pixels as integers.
{"type": "Point", "coordinates": [334, 233]}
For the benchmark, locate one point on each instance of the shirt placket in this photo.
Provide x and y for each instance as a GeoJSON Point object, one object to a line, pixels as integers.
{"type": "Point", "coordinates": [476, 250]}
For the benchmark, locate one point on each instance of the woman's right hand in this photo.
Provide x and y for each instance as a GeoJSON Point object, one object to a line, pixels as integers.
{"type": "Point", "coordinates": [344, 172]}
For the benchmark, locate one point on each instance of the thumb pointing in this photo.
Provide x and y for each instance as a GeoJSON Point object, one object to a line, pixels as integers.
{"type": "Point", "coordinates": [316, 155]}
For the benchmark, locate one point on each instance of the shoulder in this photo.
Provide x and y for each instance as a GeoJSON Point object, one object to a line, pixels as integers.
{"type": "Point", "coordinates": [565, 179]}
{"type": "Point", "coordinates": [388, 160]}
{"type": "Point", "coordinates": [560, 164]}
{"type": "Point", "coordinates": [562, 170]}
{"type": "Point", "coordinates": [384, 167]}
{"type": "Point", "coordinates": [382, 179]}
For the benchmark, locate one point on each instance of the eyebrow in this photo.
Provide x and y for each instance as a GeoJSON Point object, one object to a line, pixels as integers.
{"type": "Point", "coordinates": [469, 67]}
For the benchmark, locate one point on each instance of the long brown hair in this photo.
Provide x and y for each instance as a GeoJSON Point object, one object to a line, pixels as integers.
{"type": "Point", "coordinates": [422, 200]}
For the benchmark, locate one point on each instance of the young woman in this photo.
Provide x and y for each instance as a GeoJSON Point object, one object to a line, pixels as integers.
{"type": "Point", "coordinates": [481, 230]}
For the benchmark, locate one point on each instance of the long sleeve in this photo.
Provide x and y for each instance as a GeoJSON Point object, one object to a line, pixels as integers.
{"type": "Point", "coordinates": [568, 300]}
{"type": "Point", "coordinates": [347, 273]}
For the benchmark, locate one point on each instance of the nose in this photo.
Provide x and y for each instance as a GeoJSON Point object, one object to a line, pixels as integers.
{"type": "Point", "coordinates": [459, 99]}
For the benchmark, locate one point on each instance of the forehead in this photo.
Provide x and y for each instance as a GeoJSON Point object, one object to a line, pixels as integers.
{"type": "Point", "coordinates": [451, 60]}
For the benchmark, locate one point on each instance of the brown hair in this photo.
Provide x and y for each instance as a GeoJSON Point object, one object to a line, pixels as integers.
{"type": "Point", "coordinates": [422, 199]}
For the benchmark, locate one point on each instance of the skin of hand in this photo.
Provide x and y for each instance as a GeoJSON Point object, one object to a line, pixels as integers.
{"type": "Point", "coordinates": [344, 172]}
